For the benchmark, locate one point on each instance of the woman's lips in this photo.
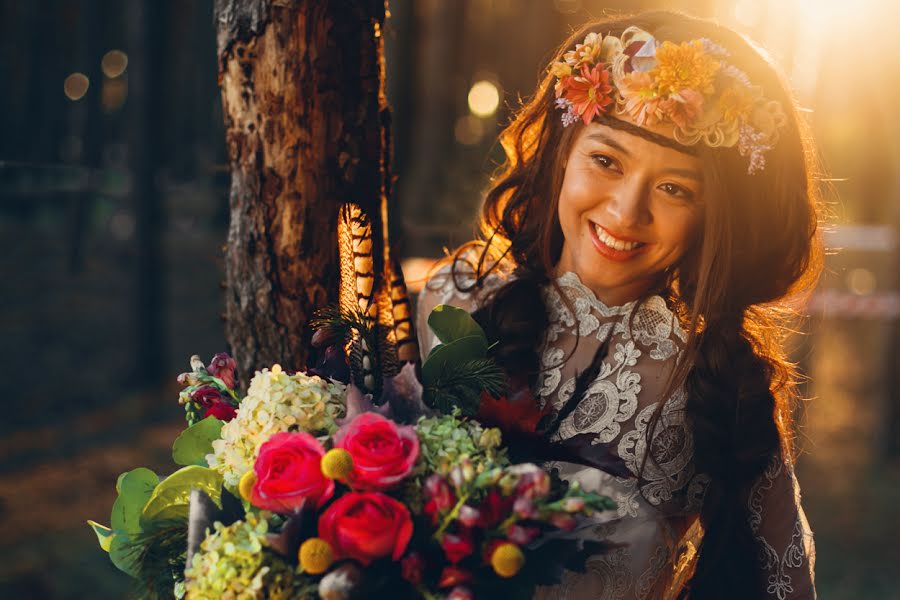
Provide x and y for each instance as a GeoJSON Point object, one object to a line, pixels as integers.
{"type": "Point", "coordinates": [612, 253]}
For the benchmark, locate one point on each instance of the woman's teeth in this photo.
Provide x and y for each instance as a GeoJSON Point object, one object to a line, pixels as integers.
{"type": "Point", "coordinates": [614, 243]}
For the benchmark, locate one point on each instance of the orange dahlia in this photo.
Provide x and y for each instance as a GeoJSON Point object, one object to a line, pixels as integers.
{"type": "Point", "coordinates": [590, 92]}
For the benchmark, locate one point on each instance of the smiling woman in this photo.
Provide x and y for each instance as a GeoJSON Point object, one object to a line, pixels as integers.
{"type": "Point", "coordinates": [629, 210]}
{"type": "Point", "coordinates": [654, 217]}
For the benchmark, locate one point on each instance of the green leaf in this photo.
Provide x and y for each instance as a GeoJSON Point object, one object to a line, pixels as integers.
{"type": "Point", "coordinates": [195, 442]}
{"type": "Point", "coordinates": [105, 535]}
{"type": "Point", "coordinates": [171, 497]}
{"type": "Point", "coordinates": [135, 488]}
{"type": "Point", "coordinates": [450, 323]}
{"type": "Point", "coordinates": [458, 351]}
{"type": "Point", "coordinates": [123, 554]}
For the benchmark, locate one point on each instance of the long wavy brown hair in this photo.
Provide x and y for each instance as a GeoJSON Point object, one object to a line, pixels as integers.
{"type": "Point", "coordinates": [735, 291]}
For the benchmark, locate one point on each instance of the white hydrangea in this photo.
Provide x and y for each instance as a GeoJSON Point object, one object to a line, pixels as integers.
{"type": "Point", "coordinates": [275, 402]}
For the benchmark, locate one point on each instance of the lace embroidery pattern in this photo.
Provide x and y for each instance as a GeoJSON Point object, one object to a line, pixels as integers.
{"type": "Point", "coordinates": [653, 324]}
{"type": "Point", "coordinates": [670, 465]}
{"type": "Point", "coordinates": [606, 404]}
{"type": "Point", "coordinates": [780, 582]}
{"type": "Point", "coordinates": [608, 573]}
{"type": "Point", "coordinates": [661, 557]}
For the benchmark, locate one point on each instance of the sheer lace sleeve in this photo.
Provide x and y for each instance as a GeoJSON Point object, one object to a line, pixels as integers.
{"type": "Point", "coordinates": [777, 519]}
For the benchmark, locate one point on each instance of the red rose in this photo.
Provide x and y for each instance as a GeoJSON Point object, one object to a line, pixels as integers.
{"type": "Point", "coordinates": [383, 453]}
{"type": "Point", "coordinates": [366, 526]}
{"type": "Point", "coordinates": [288, 474]}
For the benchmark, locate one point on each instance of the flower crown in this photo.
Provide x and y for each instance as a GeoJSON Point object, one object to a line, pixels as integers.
{"type": "Point", "coordinates": [687, 85]}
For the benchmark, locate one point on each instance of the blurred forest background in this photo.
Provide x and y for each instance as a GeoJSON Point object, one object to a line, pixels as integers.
{"type": "Point", "coordinates": [108, 289]}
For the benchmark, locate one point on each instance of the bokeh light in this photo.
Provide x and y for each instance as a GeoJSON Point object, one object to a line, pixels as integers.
{"type": "Point", "coordinates": [76, 86]}
{"type": "Point", "coordinates": [114, 63]}
{"type": "Point", "coordinates": [484, 98]}
{"type": "Point", "coordinates": [861, 281]}
{"type": "Point", "coordinates": [469, 130]}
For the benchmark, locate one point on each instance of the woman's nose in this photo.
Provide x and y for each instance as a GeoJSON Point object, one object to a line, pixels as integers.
{"type": "Point", "coordinates": [627, 206]}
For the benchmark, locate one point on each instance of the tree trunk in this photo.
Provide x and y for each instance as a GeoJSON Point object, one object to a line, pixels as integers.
{"type": "Point", "coordinates": [307, 130]}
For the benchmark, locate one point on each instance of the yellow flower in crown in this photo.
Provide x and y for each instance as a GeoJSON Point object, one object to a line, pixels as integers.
{"type": "Point", "coordinates": [684, 66]}
{"type": "Point", "coordinates": [735, 104]}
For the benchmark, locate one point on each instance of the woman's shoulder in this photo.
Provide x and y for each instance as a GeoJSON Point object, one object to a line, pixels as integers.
{"type": "Point", "coordinates": [471, 271]}
{"type": "Point", "coordinates": [463, 279]}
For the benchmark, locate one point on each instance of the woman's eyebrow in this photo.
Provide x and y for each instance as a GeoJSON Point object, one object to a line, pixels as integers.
{"type": "Point", "coordinates": [609, 142]}
{"type": "Point", "coordinates": [689, 173]}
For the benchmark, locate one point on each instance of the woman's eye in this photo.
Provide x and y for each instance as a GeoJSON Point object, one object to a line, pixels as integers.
{"type": "Point", "coordinates": [677, 191]}
{"type": "Point", "coordinates": [603, 160]}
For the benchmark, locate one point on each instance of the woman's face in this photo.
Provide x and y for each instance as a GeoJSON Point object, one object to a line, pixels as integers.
{"type": "Point", "coordinates": [629, 209]}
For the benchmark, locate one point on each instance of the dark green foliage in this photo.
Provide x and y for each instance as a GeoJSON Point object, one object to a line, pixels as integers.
{"type": "Point", "coordinates": [340, 324]}
{"type": "Point", "coordinates": [158, 553]}
{"type": "Point", "coordinates": [459, 384]}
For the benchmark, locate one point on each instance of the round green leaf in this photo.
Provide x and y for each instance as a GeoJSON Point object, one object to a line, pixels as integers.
{"type": "Point", "coordinates": [455, 352]}
{"type": "Point", "coordinates": [195, 442]}
{"type": "Point", "coordinates": [450, 323]}
{"type": "Point", "coordinates": [135, 488]}
{"type": "Point", "coordinates": [171, 497]}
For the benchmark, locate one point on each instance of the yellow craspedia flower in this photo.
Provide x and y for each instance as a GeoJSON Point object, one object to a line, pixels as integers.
{"type": "Point", "coordinates": [685, 65]}
{"type": "Point", "coordinates": [507, 560]}
{"type": "Point", "coordinates": [246, 484]}
{"type": "Point", "coordinates": [316, 556]}
{"type": "Point", "coordinates": [337, 464]}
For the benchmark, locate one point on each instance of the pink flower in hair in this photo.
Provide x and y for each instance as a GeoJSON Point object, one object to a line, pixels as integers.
{"type": "Point", "coordinates": [683, 108]}
{"type": "Point", "coordinates": [642, 103]}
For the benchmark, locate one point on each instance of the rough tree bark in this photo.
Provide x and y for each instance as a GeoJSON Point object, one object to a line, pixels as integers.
{"type": "Point", "coordinates": [307, 130]}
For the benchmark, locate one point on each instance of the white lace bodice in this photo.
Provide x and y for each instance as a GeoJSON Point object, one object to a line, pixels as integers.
{"type": "Point", "coordinates": [653, 516]}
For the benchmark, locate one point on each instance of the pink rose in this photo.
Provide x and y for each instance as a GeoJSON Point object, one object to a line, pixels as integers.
{"type": "Point", "coordinates": [383, 452]}
{"type": "Point", "coordinates": [366, 526]}
{"type": "Point", "coordinates": [288, 474]}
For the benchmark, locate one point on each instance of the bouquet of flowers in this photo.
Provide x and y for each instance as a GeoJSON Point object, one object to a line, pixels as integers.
{"type": "Point", "coordinates": [307, 487]}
